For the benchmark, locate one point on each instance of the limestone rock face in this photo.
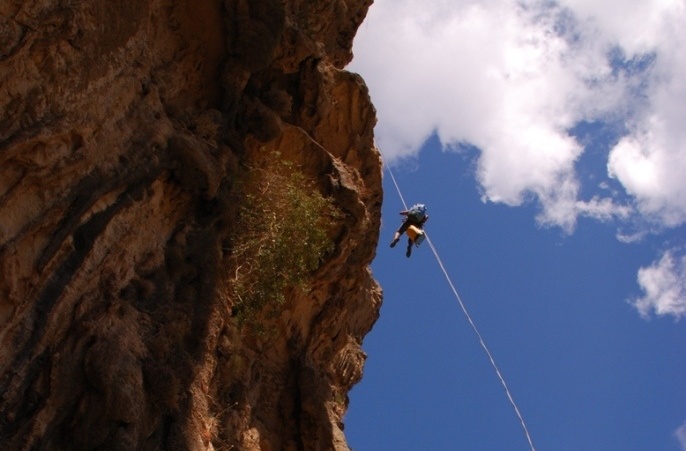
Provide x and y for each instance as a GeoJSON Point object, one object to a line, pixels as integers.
{"type": "Point", "coordinates": [122, 128]}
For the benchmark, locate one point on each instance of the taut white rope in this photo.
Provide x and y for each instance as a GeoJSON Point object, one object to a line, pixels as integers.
{"type": "Point", "coordinates": [469, 319]}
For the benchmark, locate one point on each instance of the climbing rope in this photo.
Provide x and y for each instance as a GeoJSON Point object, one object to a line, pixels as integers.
{"type": "Point", "coordinates": [469, 318]}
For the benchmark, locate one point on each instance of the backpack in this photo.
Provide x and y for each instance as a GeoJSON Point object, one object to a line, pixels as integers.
{"type": "Point", "coordinates": [417, 212]}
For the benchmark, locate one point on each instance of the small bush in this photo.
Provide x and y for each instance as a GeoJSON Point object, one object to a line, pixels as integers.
{"type": "Point", "coordinates": [280, 235]}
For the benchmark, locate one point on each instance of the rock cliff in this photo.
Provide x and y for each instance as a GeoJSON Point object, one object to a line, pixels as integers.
{"type": "Point", "coordinates": [123, 127]}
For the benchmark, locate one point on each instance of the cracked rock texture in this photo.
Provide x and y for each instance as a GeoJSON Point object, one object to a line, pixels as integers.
{"type": "Point", "coordinates": [122, 127]}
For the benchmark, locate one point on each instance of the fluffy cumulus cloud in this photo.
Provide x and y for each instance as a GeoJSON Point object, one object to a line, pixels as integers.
{"type": "Point", "coordinates": [513, 78]}
{"type": "Point", "coordinates": [664, 287]}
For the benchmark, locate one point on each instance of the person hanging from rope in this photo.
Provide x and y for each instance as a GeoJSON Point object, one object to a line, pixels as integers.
{"type": "Point", "coordinates": [413, 226]}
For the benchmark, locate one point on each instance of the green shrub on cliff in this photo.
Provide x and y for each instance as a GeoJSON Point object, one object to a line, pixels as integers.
{"type": "Point", "coordinates": [280, 236]}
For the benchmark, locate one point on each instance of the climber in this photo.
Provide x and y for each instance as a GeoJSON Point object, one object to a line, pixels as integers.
{"type": "Point", "coordinates": [413, 226]}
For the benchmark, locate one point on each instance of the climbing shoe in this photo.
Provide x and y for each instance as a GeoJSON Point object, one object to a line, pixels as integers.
{"type": "Point", "coordinates": [394, 242]}
{"type": "Point", "coordinates": [409, 251]}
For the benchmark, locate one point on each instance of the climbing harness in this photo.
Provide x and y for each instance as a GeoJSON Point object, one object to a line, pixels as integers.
{"type": "Point", "coordinates": [467, 315]}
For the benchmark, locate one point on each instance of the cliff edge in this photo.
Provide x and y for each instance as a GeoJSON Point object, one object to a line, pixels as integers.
{"type": "Point", "coordinates": [125, 128]}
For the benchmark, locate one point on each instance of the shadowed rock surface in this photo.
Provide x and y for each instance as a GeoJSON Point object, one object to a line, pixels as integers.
{"type": "Point", "coordinates": [123, 126]}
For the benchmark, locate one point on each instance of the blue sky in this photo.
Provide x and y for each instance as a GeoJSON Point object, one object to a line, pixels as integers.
{"type": "Point", "coordinates": [547, 140]}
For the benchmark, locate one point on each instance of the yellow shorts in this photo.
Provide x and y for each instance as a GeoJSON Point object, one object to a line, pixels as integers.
{"type": "Point", "coordinates": [415, 234]}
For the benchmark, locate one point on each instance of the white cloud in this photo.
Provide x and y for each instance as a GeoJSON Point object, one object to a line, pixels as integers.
{"type": "Point", "coordinates": [603, 209]}
{"type": "Point", "coordinates": [631, 237]}
{"type": "Point", "coordinates": [635, 25]}
{"type": "Point", "coordinates": [651, 160]}
{"type": "Point", "coordinates": [653, 172]}
{"type": "Point", "coordinates": [680, 435]}
{"type": "Point", "coordinates": [664, 287]}
{"type": "Point", "coordinates": [512, 78]}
